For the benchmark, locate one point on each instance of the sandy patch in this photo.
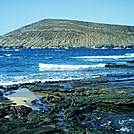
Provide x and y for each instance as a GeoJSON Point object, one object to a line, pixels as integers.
{"type": "Point", "coordinates": [19, 100]}
{"type": "Point", "coordinates": [21, 96]}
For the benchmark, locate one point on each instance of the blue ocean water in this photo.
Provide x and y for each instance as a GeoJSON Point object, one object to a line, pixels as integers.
{"type": "Point", "coordinates": [50, 64]}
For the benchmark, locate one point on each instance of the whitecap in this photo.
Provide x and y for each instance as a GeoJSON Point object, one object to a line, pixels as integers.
{"type": "Point", "coordinates": [8, 83]}
{"type": "Point", "coordinates": [125, 129]}
{"type": "Point", "coordinates": [106, 57]}
{"type": "Point", "coordinates": [43, 66]}
{"type": "Point", "coordinates": [8, 55]}
{"type": "Point", "coordinates": [60, 50]}
{"type": "Point", "coordinates": [16, 50]}
{"type": "Point", "coordinates": [130, 54]}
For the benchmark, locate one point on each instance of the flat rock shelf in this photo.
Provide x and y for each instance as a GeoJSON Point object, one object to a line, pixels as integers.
{"type": "Point", "coordinates": [94, 105]}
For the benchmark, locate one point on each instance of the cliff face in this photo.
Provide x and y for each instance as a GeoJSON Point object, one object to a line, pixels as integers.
{"type": "Point", "coordinates": [69, 33]}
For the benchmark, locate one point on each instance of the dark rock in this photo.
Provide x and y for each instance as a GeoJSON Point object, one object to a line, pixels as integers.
{"type": "Point", "coordinates": [11, 87]}
{"type": "Point", "coordinates": [36, 120]}
{"type": "Point", "coordinates": [114, 65]}
{"type": "Point", "coordinates": [19, 112]}
{"type": "Point", "coordinates": [4, 110]}
{"type": "Point", "coordinates": [1, 93]}
{"type": "Point", "coordinates": [132, 61]}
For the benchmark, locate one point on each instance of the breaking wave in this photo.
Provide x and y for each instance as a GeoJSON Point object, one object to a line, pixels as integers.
{"type": "Point", "coordinates": [128, 55]}
{"type": "Point", "coordinates": [43, 66]}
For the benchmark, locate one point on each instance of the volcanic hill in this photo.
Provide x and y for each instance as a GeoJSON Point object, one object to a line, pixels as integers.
{"type": "Point", "coordinates": [69, 33]}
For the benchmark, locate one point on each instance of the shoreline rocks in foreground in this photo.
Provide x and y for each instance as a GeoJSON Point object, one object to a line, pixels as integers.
{"type": "Point", "coordinates": [84, 106]}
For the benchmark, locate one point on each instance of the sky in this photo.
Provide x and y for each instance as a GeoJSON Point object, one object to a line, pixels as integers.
{"type": "Point", "coordinates": [17, 13]}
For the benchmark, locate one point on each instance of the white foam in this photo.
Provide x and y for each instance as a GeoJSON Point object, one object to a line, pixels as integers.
{"type": "Point", "coordinates": [98, 65]}
{"type": "Point", "coordinates": [8, 49]}
{"type": "Point", "coordinates": [16, 50]}
{"type": "Point", "coordinates": [60, 50]}
{"type": "Point", "coordinates": [67, 67]}
{"type": "Point", "coordinates": [106, 57]}
{"type": "Point", "coordinates": [125, 129]}
{"type": "Point", "coordinates": [8, 55]}
{"type": "Point", "coordinates": [130, 54]}
{"type": "Point", "coordinates": [5, 83]}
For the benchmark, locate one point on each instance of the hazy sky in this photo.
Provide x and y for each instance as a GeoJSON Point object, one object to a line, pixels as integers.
{"type": "Point", "coordinates": [17, 13]}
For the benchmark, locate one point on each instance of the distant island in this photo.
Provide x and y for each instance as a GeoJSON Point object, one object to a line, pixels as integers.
{"type": "Point", "coordinates": [69, 33]}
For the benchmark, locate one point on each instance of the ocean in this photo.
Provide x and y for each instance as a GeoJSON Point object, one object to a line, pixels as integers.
{"type": "Point", "coordinates": [18, 66]}
{"type": "Point", "coordinates": [54, 64]}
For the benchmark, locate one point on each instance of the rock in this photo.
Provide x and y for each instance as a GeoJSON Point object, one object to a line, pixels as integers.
{"type": "Point", "coordinates": [4, 110]}
{"type": "Point", "coordinates": [11, 87]}
{"type": "Point", "coordinates": [92, 106]}
{"type": "Point", "coordinates": [1, 93]}
{"type": "Point", "coordinates": [114, 65]}
{"type": "Point", "coordinates": [131, 61]}
{"type": "Point", "coordinates": [18, 112]}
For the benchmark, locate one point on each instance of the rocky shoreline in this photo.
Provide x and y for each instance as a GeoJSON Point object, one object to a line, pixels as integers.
{"type": "Point", "coordinates": [95, 105]}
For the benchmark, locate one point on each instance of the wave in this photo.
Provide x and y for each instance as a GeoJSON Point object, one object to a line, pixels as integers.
{"type": "Point", "coordinates": [35, 80]}
{"type": "Point", "coordinates": [9, 49]}
{"type": "Point", "coordinates": [6, 83]}
{"type": "Point", "coordinates": [43, 66]}
{"type": "Point", "coordinates": [131, 55]}
{"type": "Point", "coordinates": [60, 50]}
{"type": "Point", "coordinates": [8, 55]}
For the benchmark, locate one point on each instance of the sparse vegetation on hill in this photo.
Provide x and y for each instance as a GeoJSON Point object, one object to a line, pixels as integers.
{"type": "Point", "coordinates": [69, 33]}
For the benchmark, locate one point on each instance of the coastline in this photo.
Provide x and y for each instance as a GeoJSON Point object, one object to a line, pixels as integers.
{"type": "Point", "coordinates": [106, 47]}
{"type": "Point", "coordinates": [97, 99]}
{"type": "Point", "coordinates": [71, 105]}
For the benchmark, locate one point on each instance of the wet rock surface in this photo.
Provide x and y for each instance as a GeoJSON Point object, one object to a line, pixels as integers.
{"type": "Point", "coordinates": [96, 105]}
{"type": "Point", "coordinates": [131, 61]}
{"type": "Point", "coordinates": [115, 65]}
